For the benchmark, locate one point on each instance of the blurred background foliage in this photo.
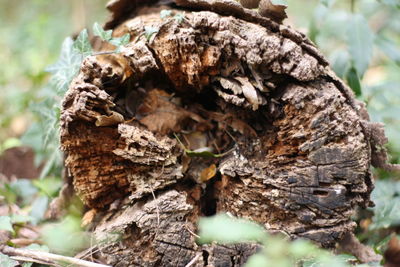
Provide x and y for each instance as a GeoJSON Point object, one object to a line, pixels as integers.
{"type": "Point", "coordinates": [361, 39]}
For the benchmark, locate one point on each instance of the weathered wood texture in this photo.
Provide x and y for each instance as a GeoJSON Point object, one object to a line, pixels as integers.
{"type": "Point", "coordinates": [298, 145]}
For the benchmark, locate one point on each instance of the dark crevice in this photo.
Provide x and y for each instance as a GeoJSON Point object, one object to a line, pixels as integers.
{"type": "Point", "coordinates": [205, 257]}
{"type": "Point", "coordinates": [208, 202]}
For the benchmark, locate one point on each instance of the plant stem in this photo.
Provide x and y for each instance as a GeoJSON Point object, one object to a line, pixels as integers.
{"type": "Point", "coordinates": [352, 5]}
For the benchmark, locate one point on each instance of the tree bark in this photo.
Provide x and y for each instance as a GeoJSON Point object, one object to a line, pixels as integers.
{"type": "Point", "coordinates": [291, 147]}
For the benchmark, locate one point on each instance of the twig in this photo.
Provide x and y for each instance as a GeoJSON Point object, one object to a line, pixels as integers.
{"type": "Point", "coordinates": [193, 261]}
{"type": "Point", "coordinates": [25, 259]}
{"type": "Point", "coordinates": [157, 209]}
{"type": "Point", "coordinates": [191, 232]}
{"type": "Point", "coordinates": [49, 258]}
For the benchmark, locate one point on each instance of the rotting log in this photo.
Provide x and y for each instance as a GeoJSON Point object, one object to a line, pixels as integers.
{"type": "Point", "coordinates": [288, 144]}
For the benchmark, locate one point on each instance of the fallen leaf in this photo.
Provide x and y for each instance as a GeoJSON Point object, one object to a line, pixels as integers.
{"type": "Point", "coordinates": [392, 253]}
{"type": "Point", "coordinates": [208, 173]}
{"type": "Point", "coordinates": [22, 242]}
{"type": "Point", "coordinates": [249, 92]}
{"type": "Point", "coordinates": [113, 119]}
{"type": "Point", "coordinates": [88, 217]}
{"type": "Point", "coordinates": [196, 140]}
{"type": "Point", "coordinates": [159, 114]}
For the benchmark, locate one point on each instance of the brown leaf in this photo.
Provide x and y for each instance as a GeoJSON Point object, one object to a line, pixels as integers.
{"type": "Point", "coordinates": [208, 173]}
{"type": "Point", "coordinates": [159, 114]}
{"type": "Point", "coordinates": [235, 123]}
{"type": "Point", "coordinates": [4, 236]}
{"type": "Point", "coordinates": [88, 217]}
{"type": "Point", "coordinates": [113, 119]}
{"type": "Point", "coordinates": [22, 242]}
{"type": "Point", "coordinates": [196, 140]}
{"type": "Point", "coordinates": [392, 253]}
{"type": "Point", "coordinates": [249, 92]}
{"type": "Point", "coordinates": [28, 232]}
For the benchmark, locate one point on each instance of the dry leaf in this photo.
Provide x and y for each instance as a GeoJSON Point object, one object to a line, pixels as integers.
{"type": "Point", "coordinates": [159, 114]}
{"type": "Point", "coordinates": [208, 173]}
{"type": "Point", "coordinates": [249, 92]}
{"type": "Point", "coordinates": [88, 217]}
{"type": "Point", "coordinates": [22, 242]}
{"type": "Point", "coordinates": [196, 140]}
{"type": "Point", "coordinates": [231, 85]}
{"type": "Point", "coordinates": [113, 119]}
{"type": "Point", "coordinates": [392, 254]}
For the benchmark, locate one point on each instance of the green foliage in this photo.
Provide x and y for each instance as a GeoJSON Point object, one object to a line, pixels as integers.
{"type": "Point", "coordinates": [386, 197]}
{"type": "Point", "coordinates": [360, 41]}
{"type": "Point", "coordinates": [165, 13]}
{"type": "Point", "coordinates": [107, 36]}
{"type": "Point", "coordinates": [5, 224]}
{"type": "Point", "coordinates": [179, 17]}
{"type": "Point", "coordinates": [99, 31]}
{"type": "Point", "coordinates": [9, 143]}
{"type": "Point", "coordinates": [394, 3]}
{"type": "Point", "coordinates": [6, 261]}
{"type": "Point", "coordinates": [149, 31]}
{"type": "Point", "coordinates": [276, 251]}
{"type": "Point", "coordinates": [354, 81]}
{"type": "Point", "coordinates": [389, 48]}
{"type": "Point", "coordinates": [225, 229]}
{"type": "Point", "coordinates": [71, 234]}
{"type": "Point", "coordinates": [279, 2]}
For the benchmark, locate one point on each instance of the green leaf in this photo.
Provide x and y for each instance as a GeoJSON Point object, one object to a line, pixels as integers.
{"type": "Point", "coordinates": [10, 143]}
{"type": "Point", "coordinates": [394, 3]}
{"type": "Point", "coordinates": [179, 17]}
{"type": "Point", "coordinates": [224, 229]}
{"type": "Point", "coordinates": [38, 209]}
{"type": "Point", "coordinates": [386, 197]}
{"type": "Point", "coordinates": [49, 186]}
{"type": "Point", "coordinates": [203, 152]}
{"type": "Point", "coordinates": [82, 43]}
{"type": "Point", "coordinates": [340, 61]}
{"type": "Point", "coordinates": [5, 224]}
{"type": "Point", "coordinates": [124, 40]}
{"type": "Point", "coordinates": [121, 41]}
{"type": "Point", "coordinates": [388, 47]}
{"type": "Point", "coordinates": [327, 3]}
{"type": "Point", "coordinates": [99, 31]}
{"type": "Point", "coordinates": [301, 248]}
{"type": "Point", "coordinates": [354, 81]}
{"type": "Point", "coordinates": [20, 219]}
{"type": "Point", "coordinates": [69, 231]}
{"type": "Point", "coordinates": [359, 41]}
{"type": "Point", "coordinates": [279, 2]}
{"type": "Point", "coordinates": [165, 13]}
{"type": "Point", "coordinates": [149, 31]}
{"type": "Point", "coordinates": [67, 66]}
{"type": "Point", "coordinates": [258, 260]}
{"type": "Point", "coordinates": [6, 261]}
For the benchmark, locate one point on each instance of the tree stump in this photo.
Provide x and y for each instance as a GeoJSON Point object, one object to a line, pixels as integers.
{"type": "Point", "coordinates": [220, 110]}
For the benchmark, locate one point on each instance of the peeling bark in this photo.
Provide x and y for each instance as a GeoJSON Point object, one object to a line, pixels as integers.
{"type": "Point", "coordinates": [293, 145]}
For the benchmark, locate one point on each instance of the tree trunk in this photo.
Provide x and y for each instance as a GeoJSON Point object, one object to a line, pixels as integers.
{"type": "Point", "coordinates": [283, 141]}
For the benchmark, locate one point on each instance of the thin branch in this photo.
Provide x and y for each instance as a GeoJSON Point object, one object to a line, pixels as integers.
{"type": "Point", "coordinates": [193, 261]}
{"type": "Point", "coordinates": [49, 258]}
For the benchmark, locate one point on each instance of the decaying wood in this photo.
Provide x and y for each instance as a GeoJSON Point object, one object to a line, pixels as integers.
{"type": "Point", "coordinates": [294, 145]}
